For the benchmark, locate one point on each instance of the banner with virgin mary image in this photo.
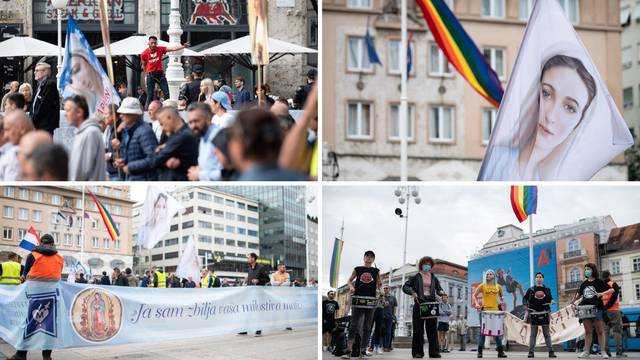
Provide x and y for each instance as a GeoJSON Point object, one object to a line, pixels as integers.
{"type": "Point", "coordinates": [155, 219]}
{"type": "Point", "coordinates": [557, 120]}
{"type": "Point", "coordinates": [82, 74]}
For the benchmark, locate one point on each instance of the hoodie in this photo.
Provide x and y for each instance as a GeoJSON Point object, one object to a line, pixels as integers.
{"type": "Point", "coordinates": [86, 162]}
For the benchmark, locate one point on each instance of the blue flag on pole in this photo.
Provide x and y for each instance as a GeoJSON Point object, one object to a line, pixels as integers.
{"type": "Point", "coordinates": [409, 54]}
{"type": "Point", "coordinates": [82, 73]}
{"type": "Point", "coordinates": [371, 49]}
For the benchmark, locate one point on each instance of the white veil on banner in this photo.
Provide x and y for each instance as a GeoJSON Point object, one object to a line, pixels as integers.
{"type": "Point", "coordinates": [557, 120]}
{"type": "Point", "coordinates": [155, 220]}
{"type": "Point", "coordinates": [82, 73]}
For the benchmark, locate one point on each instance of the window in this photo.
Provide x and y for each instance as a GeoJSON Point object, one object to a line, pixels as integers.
{"type": "Point", "coordinates": [253, 246]}
{"type": "Point", "coordinates": [496, 58]}
{"type": "Point", "coordinates": [241, 218]}
{"type": "Point", "coordinates": [204, 210]}
{"type": "Point", "coordinates": [24, 194]}
{"type": "Point", "coordinates": [636, 264]}
{"type": "Point", "coordinates": [627, 57]}
{"type": "Point", "coordinates": [359, 4]}
{"type": "Point", "coordinates": [242, 231]}
{"type": "Point", "coordinates": [8, 191]}
{"type": "Point", "coordinates": [106, 243]}
{"type": "Point", "coordinates": [489, 116]}
{"type": "Point", "coordinates": [171, 255]}
{"type": "Point", "coordinates": [627, 97]}
{"type": "Point", "coordinates": [187, 224]}
{"type": "Point", "coordinates": [218, 213]}
{"type": "Point", "coordinates": [252, 233]}
{"type": "Point", "coordinates": [204, 239]}
{"type": "Point", "coordinates": [37, 196]}
{"type": "Point", "coordinates": [575, 275]}
{"type": "Point", "coordinates": [68, 240]}
{"type": "Point", "coordinates": [218, 241]}
{"type": "Point", "coordinates": [56, 199]}
{"type": "Point", "coordinates": [95, 242]}
{"type": "Point", "coordinates": [253, 221]}
{"type": "Point", "coordinates": [230, 216]}
{"type": "Point", "coordinates": [117, 209]}
{"type": "Point", "coordinates": [394, 125]}
{"type": "Point", "coordinates": [441, 124]}
{"type": "Point", "coordinates": [438, 63]}
{"type": "Point", "coordinates": [358, 57]}
{"type": "Point", "coordinates": [218, 200]}
{"type": "Point", "coordinates": [573, 245]}
{"type": "Point", "coordinates": [7, 233]}
{"type": "Point", "coordinates": [37, 216]}
{"type": "Point", "coordinates": [156, 257]}
{"type": "Point", "coordinates": [117, 244]}
{"type": "Point", "coordinates": [231, 242]}
{"type": "Point", "coordinates": [79, 240]}
{"type": "Point", "coordinates": [21, 233]}
{"type": "Point", "coordinates": [229, 202]}
{"type": "Point", "coordinates": [204, 224]}
{"type": "Point", "coordinates": [242, 244]}
{"type": "Point", "coordinates": [203, 196]}
{"type": "Point", "coordinates": [637, 286]}
{"type": "Point", "coordinates": [78, 203]}
{"type": "Point", "coordinates": [493, 8]}
{"type": "Point", "coordinates": [95, 224]}
{"type": "Point", "coordinates": [218, 227]}
{"type": "Point", "coordinates": [7, 212]}
{"type": "Point", "coordinates": [170, 242]}
{"type": "Point", "coordinates": [231, 229]}
{"type": "Point", "coordinates": [525, 9]}
{"type": "Point", "coordinates": [117, 193]}
{"type": "Point", "coordinates": [23, 214]}
{"type": "Point", "coordinates": [55, 219]}
{"type": "Point", "coordinates": [240, 205]}
{"type": "Point", "coordinates": [571, 9]}
{"type": "Point", "coordinates": [615, 267]}
{"type": "Point", "coordinates": [252, 208]}
{"type": "Point", "coordinates": [359, 119]}
{"type": "Point", "coordinates": [395, 54]}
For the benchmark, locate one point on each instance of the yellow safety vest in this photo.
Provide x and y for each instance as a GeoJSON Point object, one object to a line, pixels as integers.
{"type": "Point", "coordinates": [205, 281]}
{"type": "Point", "coordinates": [10, 273]}
{"type": "Point", "coordinates": [162, 279]}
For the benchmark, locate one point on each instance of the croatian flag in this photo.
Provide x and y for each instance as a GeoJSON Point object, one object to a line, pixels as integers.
{"type": "Point", "coordinates": [30, 240]}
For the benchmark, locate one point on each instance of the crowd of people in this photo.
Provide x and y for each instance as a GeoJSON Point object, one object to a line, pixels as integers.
{"type": "Point", "coordinates": [209, 134]}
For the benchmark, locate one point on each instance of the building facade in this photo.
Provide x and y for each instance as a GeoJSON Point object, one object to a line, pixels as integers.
{"type": "Point", "coordinates": [621, 256]}
{"type": "Point", "coordinates": [449, 124]}
{"type": "Point", "coordinates": [282, 224]}
{"type": "Point", "coordinates": [312, 246]}
{"type": "Point", "coordinates": [204, 25]}
{"type": "Point", "coordinates": [630, 46]}
{"type": "Point", "coordinates": [225, 226]}
{"type": "Point", "coordinates": [59, 211]}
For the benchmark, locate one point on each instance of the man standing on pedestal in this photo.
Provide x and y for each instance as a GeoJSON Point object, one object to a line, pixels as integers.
{"type": "Point", "coordinates": [46, 102]}
{"type": "Point", "coordinates": [151, 59]}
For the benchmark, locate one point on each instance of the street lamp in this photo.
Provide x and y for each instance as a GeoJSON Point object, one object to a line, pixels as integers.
{"type": "Point", "coordinates": [404, 195]}
{"type": "Point", "coordinates": [59, 5]}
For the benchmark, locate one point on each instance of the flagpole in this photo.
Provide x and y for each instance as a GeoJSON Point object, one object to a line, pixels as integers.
{"type": "Point", "coordinates": [82, 228]}
{"type": "Point", "coordinates": [403, 91]}
{"type": "Point", "coordinates": [531, 250]}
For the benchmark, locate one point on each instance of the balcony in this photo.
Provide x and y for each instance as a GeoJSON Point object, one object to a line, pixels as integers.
{"type": "Point", "coordinates": [574, 256]}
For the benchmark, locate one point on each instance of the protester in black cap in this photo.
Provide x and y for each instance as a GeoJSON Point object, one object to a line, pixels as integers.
{"type": "Point", "coordinates": [221, 151]}
{"type": "Point", "coordinates": [367, 283]}
{"type": "Point", "coordinates": [192, 90]}
{"type": "Point", "coordinates": [303, 91]}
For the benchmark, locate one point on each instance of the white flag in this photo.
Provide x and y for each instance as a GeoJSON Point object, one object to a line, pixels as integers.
{"type": "Point", "coordinates": [155, 220]}
{"type": "Point", "coordinates": [190, 262]}
{"type": "Point", "coordinates": [557, 120]}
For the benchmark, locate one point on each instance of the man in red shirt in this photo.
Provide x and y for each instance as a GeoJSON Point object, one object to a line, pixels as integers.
{"type": "Point", "coordinates": [151, 59]}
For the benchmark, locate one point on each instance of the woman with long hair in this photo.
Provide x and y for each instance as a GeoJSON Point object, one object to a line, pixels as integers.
{"type": "Point", "coordinates": [27, 91]}
{"type": "Point", "coordinates": [492, 299]}
{"type": "Point", "coordinates": [206, 90]}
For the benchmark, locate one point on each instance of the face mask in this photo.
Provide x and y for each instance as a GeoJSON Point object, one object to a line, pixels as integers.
{"type": "Point", "coordinates": [588, 272]}
{"type": "Point", "coordinates": [426, 268]}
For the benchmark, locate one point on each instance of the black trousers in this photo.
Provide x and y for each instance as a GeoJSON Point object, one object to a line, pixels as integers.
{"type": "Point", "coordinates": [419, 328]}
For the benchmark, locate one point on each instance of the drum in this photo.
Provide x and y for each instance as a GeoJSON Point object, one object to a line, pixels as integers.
{"type": "Point", "coordinates": [493, 323]}
{"type": "Point", "coordinates": [363, 302]}
{"type": "Point", "coordinates": [539, 318]}
{"type": "Point", "coordinates": [586, 311]}
{"type": "Point", "coordinates": [429, 309]}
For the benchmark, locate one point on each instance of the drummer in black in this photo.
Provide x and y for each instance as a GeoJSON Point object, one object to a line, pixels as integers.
{"type": "Point", "coordinates": [367, 283]}
{"type": "Point", "coordinates": [538, 298]}
{"type": "Point", "coordinates": [591, 290]}
{"type": "Point", "coordinates": [424, 286]}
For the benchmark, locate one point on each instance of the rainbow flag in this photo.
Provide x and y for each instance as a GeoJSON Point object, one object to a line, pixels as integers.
{"type": "Point", "coordinates": [334, 271]}
{"type": "Point", "coordinates": [114, 233]}
{"type": "Point", "coordinates": [524, 201]}
{"type": "Point", "coordinates": [462, 53]}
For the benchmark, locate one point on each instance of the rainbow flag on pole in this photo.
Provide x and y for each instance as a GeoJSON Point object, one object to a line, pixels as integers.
{"type": "Point", "coordinates": [524, 201]}
{"type": "Point", "coordinates": [461, 51]}
{"type": "Point", "coordinates": [114, 233]}
{"type": "Point", "coordinates": [334, 271]}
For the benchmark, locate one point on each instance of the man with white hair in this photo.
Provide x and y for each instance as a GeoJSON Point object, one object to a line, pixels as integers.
{"type": "Point", "coordinates": [13, 88]}
{"type": "Point", "coordinates": [16, 125]}
{"type": "Point", "coordinates": [46, 102]}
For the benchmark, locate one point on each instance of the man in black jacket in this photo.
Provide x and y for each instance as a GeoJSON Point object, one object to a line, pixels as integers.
{"type": "Point", "coordinates": [192, 89]}
{"type": "Point", "coordinates": [180, 152]}
{"type": "Point", "coordinates": [46, 101]}
{"type": "Point", "coordinates": [104, 280]}
{"type": "Point", "coordinates": [256, 276]}
{"type": "Point", "coordinates": [118, 278]}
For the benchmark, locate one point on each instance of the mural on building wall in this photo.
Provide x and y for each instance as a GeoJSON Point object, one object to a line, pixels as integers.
{"type": "Point", "coordinates": [512, 273]}
{"type": "Point", "coordinates": [214, 12]}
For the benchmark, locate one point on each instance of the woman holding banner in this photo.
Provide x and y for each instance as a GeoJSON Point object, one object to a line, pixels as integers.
{"type": "Point", "coordinates": [538, 298]}
{"type": "Point", "coordinates": [491, 292]}
{"type": "Point", "coordinates": [591, 308]}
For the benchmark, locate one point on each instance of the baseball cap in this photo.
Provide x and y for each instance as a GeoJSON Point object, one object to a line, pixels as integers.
{"type": "Point", "coordinates": [130, 105]}
{"type": "Point", "coordinates": [46, 239]}
{"type": "Point", "coordinates": [370, 253]}
{"type": "Point", "coordinates": [216, 77]}
{"type": "Point", "coordinates": [221, 98]}
{"type": "Point", "coordinates": [197, 68]}
{"type": "Point", "coordinates": [311, 74]}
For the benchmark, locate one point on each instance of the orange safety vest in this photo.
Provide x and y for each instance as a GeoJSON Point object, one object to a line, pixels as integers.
{"type": "Point", "coordinates": [277, 277]}
{"type": "Point", "coordinates": [46, 268]}
{"type": "Point", "coordinates": [606, 297]}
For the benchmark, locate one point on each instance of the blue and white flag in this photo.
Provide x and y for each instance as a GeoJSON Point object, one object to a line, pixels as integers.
{"type": "Point", "coordinates": [44, 315]}
{"type": "Point", "coordinates": [82, 73]}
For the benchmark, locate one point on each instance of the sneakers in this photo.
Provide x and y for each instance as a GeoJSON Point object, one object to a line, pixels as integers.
{"type": "Point", "coordinates": [258, 333]}
{"type": "Point", "coordinates": [552, 354]}
{"type": "Point", "coordinates": [584, 355]}
{"type": "Point", "coordinates": [604, 355]}
{"type": "Point", "coordinates": [379, 351]}
{"type": "Point", "coordinates": [530, 355]}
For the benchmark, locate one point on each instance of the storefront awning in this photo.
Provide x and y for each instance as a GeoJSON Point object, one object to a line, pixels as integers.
{"type": "Point", "coordinates": [135, 45]}
{"type": "Point", "coordinates": [27, 46]}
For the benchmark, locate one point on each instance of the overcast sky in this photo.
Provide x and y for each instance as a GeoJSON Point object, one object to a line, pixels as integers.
{"type": "Point", "coordinates": [453, 220]}
{"type": "Point", "coordinates": [139, 191]}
